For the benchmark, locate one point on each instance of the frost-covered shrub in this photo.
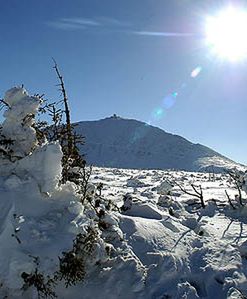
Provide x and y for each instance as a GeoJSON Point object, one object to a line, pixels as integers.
{"type": "Point", "coordinates": [164, 188]}
{"type": "Point", "coordinates": [21, 153]}
{"type": "Point", "coordinates": [5, 147]}
{"type": "Point", "coordinates": [243, 181]}
{"type": "Point", "coordinates": [239, 179]}
{"type": "Point", "coordinates": [88, 249]}
{"type": "Point", "coordinates": [48, 187]}
{"type": "Point", "coordinates": [17, 127]}
{"type": "Point", "coordinates": [44, 286]}
{"type": "Point", "coordinates": [127, 202]}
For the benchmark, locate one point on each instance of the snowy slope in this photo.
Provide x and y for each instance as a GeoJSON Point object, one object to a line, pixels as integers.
{"type": "Point", "coordinates": [126, 143]}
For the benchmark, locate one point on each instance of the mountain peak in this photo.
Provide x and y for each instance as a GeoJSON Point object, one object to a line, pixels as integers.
{"type": "Point", "coordinates": [114, 116]}
{"type": "Point", "coordinates": [129, 143]}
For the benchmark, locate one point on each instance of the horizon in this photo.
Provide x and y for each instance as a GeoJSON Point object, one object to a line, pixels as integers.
{"type": "Point", "coordinates": [140, 60]}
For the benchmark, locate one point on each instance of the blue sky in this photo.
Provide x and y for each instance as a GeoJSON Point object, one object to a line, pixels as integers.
{"type": "Point", "coordinates": [141, 59]}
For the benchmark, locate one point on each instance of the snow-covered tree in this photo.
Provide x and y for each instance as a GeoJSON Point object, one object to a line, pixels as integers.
{"type": "Point", "coordinates": [43, 217]}
{"type": "Point", "coordinates": [19, 120]}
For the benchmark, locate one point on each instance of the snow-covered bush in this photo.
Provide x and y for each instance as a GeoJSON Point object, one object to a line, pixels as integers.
{"type": "Point", "coordinates": [164, 188]}
{"type": "Point", "coordinates": [127, 202]}
{"type": "Point", "coordinates": [17, 129]}
{"type": "Point", "coordinates": [88, 248]}
{"type": "Point", "coordinates": [43, 285]}
{"type": "Point", "coordinates": [43, 211]}
{"type": "Point", "coordinates": [239, 180]}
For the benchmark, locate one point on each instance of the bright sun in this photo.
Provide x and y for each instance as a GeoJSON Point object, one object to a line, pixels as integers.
{"type": "Point", "coordinates": [226, 34]}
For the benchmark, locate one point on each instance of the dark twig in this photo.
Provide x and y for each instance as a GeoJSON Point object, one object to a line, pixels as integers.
{"type": "Point", "coordinates": [197, 193]}
{"type": "Point", "coordinates": [3, 104]}
{"type": "Point", "coordinates": [66, 107]}
{"type": "Point", "coordinates": [235, 178]}
{"type": "Point", "coordinates": [229, 200]}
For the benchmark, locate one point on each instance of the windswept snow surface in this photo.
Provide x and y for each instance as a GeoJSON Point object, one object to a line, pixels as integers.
{"type": "Point", "coordinates": [187, 253]}
{"type": "Point", "coordinates": [166, 246]}
{"type": "Point", "coordinates": [161, 243]}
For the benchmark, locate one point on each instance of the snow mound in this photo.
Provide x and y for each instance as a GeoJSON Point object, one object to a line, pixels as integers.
{"type": "Point", "coordinates": [148, 211]}
{"type": "Point", "coordinates": [44, 165]}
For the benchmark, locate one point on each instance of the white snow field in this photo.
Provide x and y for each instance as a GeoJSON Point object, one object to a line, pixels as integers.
{"type": "Point", "coordinates": [156, 242]}
{"type": "Point", "coordinates": [190, 252]}
{"type": "Point", "coordinates": [165, 247]}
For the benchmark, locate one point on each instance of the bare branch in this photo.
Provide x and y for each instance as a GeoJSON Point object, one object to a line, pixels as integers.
{"type": "Point", "coordinates": [66, 107]}
{"type": "Point", "coordinates": [3, 104]}
{"type": "Point", "coordinates": [198, 193]}
{"type": "Point", "coordinates": [229, 200]}
{"type": "Point", "coordinates": [236, 179]}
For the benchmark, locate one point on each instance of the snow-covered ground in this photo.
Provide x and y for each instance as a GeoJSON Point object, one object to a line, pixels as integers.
{"type": "Point", "coordinates": [141, 234]}
{"type": "Point", "coordinates": [188, 252]}
{"type": "Point", "coordinates": [166, 245]}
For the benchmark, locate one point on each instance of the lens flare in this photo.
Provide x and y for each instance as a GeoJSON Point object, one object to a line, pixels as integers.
{"type": "Point", "coordinates": [196, 72]}
{"type": "Point", "coordinates": [170, 100]}
{"type": "Point", "coordinates": [158, 113]}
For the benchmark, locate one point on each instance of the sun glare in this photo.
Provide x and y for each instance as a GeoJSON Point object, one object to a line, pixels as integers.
{"type": "Point", "coordinates": [226, 34]}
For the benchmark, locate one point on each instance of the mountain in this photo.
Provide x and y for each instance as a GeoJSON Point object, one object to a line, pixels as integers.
{"type": "Point", "coordinates": [128, 143]}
